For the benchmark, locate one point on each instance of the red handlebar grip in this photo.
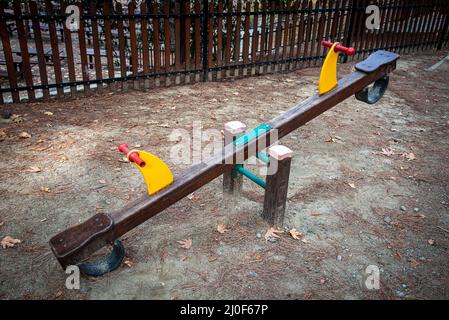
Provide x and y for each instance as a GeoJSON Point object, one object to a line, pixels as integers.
{"type": "Point", "coordinates": [133, 157]}
{"type": "Point", "coordinates": [339, 48]}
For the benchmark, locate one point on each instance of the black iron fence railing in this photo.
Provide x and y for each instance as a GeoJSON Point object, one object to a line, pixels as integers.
{"type": "Point", "coordinates": [161, 43]}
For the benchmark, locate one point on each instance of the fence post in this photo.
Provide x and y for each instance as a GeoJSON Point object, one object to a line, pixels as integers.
{"type": "Point", "coordinates": [204, 40]}
{"type": "Point", "coordinates": [352, 14]}
{"type": "Point", "coordinates": [444, 31]}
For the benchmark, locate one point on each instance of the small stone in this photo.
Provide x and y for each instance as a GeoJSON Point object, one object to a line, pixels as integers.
{"type": "Point", "coordinates": [387, 219]}
{"type": "Point", "coordinates": [339, 258]}
{"type": "Point", "coordinates": [404, 285]}
{"type": "Point", "coordinates": [258, 235]}
{"type": "Point", "coordinates": [416, 209]}
{"type": "Point", "coordinates": [252, 273]}
{"type": "Point", "coordinates": [400, 293]}
{"type": "Point", "coordinates": [403, 208]}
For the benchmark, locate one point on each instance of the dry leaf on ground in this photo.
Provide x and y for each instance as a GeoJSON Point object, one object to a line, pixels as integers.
{"type": "Point", "coordinates": [16, 118]}
{"type": "Point", "coordinates": [352, 185]}
{"type": "Point", "coordinates": [24, 135]}
{"type": "Point", "coordinates": [409, 156]}
{"type": "Point", "coordinates": [431, 242]}
{"type": "Point", "coordinates": [9, 242]}
{"type": "Point", "coordinates": [221, 228]}
{"type": "Point", "coordinates": [33, 169]}
{"type": "Point", "coordinates": [272, 233]}
{"type": "Point", "coordinates": [387, 151]}
{"type": "Point", "coordinates": [128, 263]}
{"type": "Point", "coordinates": [414, 263]}
{"type": "Point", "coordinates": [2, 135]}
{"type": "Point", "coordinates": [295, 234]}
{"type": "Point", "coordinates": [185, 243]}
{"type": "Point", "coordinates": [48, 113]}
{"type": "Point", "coordinates": [45, 189]}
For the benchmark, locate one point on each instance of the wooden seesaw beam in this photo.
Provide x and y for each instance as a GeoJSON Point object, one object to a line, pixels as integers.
{"type": "Point", "coordinates": [78, 242]}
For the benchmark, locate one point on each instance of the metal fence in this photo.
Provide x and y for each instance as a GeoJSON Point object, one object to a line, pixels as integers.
{"type": "Point", "coordinates": [161, 43]}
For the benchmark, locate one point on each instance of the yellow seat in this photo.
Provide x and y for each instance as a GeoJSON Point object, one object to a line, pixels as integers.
{"type": "Point", "coordinates": [155, 172]}
{"type": "Point", "coordinates": [328, 75]}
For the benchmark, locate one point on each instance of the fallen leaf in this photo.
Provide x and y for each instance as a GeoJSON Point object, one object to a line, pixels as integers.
{"type": "Point", "coordinates": [272, 233]}
{"type": "Point", "coordinates": [102, 181]}
{"type": "Point", "coordinates": [128, 263]}
{"type": "Point", "coordinates": [9, 242]}
{"type": "Point", "coordinates": [352, 185]}
{"type": "Point", "coordinates": [414, 263]}
{"type": "Point", "coordinates": [335, 139]}
{"type": "Point", "coordinates": [33, 169]}
{"type": "Point", "coordinates": [221, 228]}
{"type": "Point", "coordinates": [45, 189]}
{"type": "Point", "coordinates": [2, 135]}
{"type": "Point", "coordinates": [48, 113]}
{"type": "Point", "coordinates": [431, 242]}
{"type": "Point", "coordinates": [58, 294]}
{"type": "Point", "coordinates": [387, 151]}
{"type": "Point", "coordinates": [409, 156]}
{"type": "Point", "coordinates": [16, 118]}
{"type": "Point", "coordinates": [185, 243]}
{"type": "Point", "coordinates": [191, 196]}
{"type": "Point", "coordinates": [24, 135]}
{"type": "Point", "coordinates": [296, 234]}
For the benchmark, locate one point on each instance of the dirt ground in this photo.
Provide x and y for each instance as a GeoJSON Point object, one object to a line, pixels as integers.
{"type": "Point", "coordinates": [368, 187]}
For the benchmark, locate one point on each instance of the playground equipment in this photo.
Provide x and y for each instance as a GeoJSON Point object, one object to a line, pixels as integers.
{"type": "Point", "coordinates": [155, 172]}
{"type": "Point", "coordinates": [77, 243]}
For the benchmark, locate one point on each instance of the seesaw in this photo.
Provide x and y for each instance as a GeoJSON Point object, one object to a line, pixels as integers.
{"type": "Point", "coordinates": [74, 245]}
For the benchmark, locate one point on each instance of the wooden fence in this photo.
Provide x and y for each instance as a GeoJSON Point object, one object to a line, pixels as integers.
{"type": "Point", "coordinates": [161, 43]}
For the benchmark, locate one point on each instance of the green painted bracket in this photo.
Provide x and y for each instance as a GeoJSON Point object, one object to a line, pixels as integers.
{"type": "Point", "coordinates": [251, 176]}
{"type": "Point", "coordinates": [253, 134]}
{"type": "Point", "coordinates": [264, 157]}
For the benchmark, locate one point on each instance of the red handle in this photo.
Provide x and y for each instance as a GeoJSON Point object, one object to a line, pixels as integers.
{"type": "Point", "coordinates": [339, 48]}
{"type": "Point", "coordinates": [133, 156]}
